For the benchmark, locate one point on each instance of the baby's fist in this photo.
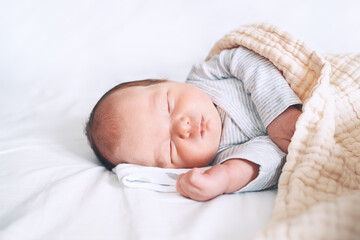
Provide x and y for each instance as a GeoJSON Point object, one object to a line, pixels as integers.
{"type": "Point", "coordinates": [200, 185]}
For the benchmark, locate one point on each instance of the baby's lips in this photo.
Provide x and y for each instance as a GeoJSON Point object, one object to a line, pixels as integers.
{"type": "Point", "coordinates": [202, 126]}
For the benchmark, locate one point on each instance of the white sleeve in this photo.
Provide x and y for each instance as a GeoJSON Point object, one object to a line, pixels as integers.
{"type": "Point", "coordinates": [265, 84]}
{"type": "Point", "coordinates": [262, 151]}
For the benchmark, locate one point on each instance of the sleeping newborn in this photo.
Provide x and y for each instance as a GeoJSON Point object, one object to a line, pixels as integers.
{"type": "Point", "coordinates": [235, 113]}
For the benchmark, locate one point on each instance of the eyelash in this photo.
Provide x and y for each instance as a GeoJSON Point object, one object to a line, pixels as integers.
{"type": "Point", "coordinates": [170, 152]}
{"type": "Point", "coordinates": [169, 111]}
{"type": "Point", "coordinates": [168, 103]}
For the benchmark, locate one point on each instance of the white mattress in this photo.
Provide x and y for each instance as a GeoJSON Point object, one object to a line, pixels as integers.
{"type": "Point", "coordinates": [58, 57]}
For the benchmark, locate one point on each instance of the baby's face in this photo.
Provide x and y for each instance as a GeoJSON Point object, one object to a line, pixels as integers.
{"type": "Point", "coordinates": [169, 125]}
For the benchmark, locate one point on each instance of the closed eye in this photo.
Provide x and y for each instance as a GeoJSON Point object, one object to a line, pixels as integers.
{"type": "Point", "coordinates": [168, 103]}
{"type": "Point", "coordinates": [171, 150]}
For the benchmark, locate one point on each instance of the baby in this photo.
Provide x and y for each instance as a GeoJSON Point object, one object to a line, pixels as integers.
{"type": "Point", "coordinates": [235, 112]}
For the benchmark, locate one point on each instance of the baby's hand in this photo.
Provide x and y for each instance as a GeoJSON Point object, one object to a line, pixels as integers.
{"type": "Point", "coordinates": [228, 177]}
{"type": "Point", "coordinates": [203, 185]}
{"type": "Point", "coordinates": [282, 128]}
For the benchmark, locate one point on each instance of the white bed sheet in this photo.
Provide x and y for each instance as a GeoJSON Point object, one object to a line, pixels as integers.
{"type": "Point", "coordinates": [56, 60]}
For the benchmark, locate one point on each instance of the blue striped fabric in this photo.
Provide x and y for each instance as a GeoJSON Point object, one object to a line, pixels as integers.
{"type": "Point", "coordinates": [249, 93]}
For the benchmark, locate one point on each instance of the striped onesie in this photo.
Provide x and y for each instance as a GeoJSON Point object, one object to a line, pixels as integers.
{"type": "Point", "coordinates": [249, 92]}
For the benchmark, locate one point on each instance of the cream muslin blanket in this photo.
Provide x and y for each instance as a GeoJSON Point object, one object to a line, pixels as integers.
{"type": "Point", "coordinates": [319, 189]}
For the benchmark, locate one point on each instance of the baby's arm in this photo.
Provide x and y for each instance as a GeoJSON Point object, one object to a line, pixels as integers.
{"type": "Point", "coordinates": [228, 177]}
{"type": "Point", "coordinates": [282, 128]}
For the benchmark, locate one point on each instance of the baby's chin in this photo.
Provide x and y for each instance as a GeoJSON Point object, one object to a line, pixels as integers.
{"type": "Point", "coordinates": [200, 161]}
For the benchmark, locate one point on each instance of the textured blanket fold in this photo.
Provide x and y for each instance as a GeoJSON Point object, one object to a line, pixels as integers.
{"type": "Point", "coordinates": [319, 189]}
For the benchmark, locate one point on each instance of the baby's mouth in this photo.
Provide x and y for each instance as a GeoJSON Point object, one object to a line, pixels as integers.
{"type": "Point", "coordinates": [202, 126]}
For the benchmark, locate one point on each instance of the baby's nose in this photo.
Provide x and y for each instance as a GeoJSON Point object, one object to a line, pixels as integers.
{"type": "Point", "coordinates": [181, 127]}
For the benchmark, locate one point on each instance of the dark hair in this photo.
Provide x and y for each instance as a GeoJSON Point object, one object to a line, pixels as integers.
{"type": "Point", "coordinates": [90, 122]}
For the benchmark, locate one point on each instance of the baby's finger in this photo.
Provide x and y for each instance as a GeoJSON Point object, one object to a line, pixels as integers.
{"type": "Point", "coordinates": [193, 176]}
{"type": "Point", "coordinates": [186, 187]}
{"type": "Point", "coordinates": [196, 178]}
{"type": "Point", "coordinates": [192, 182]}
{"type": "Point", "coordinates": [179, 187]}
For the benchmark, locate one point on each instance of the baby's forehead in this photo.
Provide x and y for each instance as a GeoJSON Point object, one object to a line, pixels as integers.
{"type": "Point", "coordinates": [127, 109]}
{"type": "Point", "coordinates": [113, 102]}
{"type": "Point", "coordinates": [126, 94]}
{"type": "Point", "coordinates": [132, 100]}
